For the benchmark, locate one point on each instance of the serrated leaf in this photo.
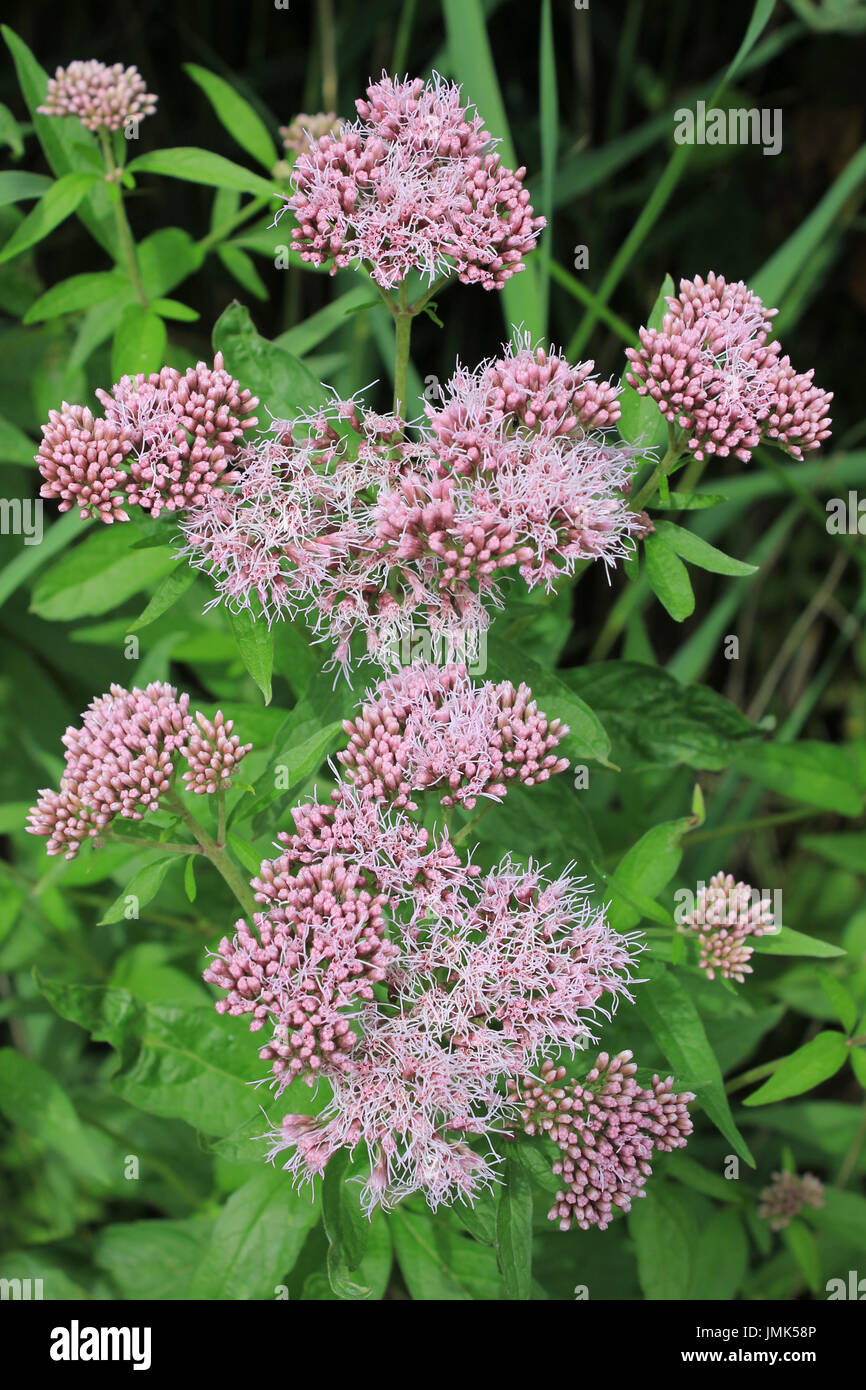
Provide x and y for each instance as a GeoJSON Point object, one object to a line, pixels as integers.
{"type": "Point", "coordinates": [256, 1239]}
{"type": "Point", "coordinates": [284, 385]}
{"type": "Point", "coordinates": [143, 886]}
{"type": "Point", "coordinates": [167, 594]}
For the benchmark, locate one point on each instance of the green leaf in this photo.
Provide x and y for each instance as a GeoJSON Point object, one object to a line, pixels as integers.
{"type": "Point", "coordinates": [788, 942]}
{"type": "Point", "coordinates": [668, 578]}
{"type": "Point", "coordinates": [514, 1230]}
{"type": "Point", "coordinates": [699, 552]}
{"type": "Point", "coordinates": [189, 884]}
{"type": "Point", "coordinates": [688, 502]}
{"type": "Point", "coordinates": [802, 1245]}
{"type": "Point", "coordinates": [139, 342]}
{"type": "Point", "coordinates": [143, 886]}
{"type": "Point", "coordinates": [439, 1263]}
{"type": "Point", "coordinates": [255, 643]}
{"type": "Point", "coordinates": [644, 871]}
{"type": "Point", "coordinates": [346, 1226]}
{"type": "Point", "coordinates": [76, 293]}
{"type": "Point", "coordinates": [179, 1062]}
{"type": "Point", "coordinates": [18, 186]}
{"type": "Point", "coordinates": [242, 268]}
{"type": "Point", "coordinates": [172, 588]}
{"type": "Point", "coordinates": [65, 149]}
{"type": "Point", "coordinates": [200, 166]}
{"type": "Point", "coordinates": [586, 737]}
{"type": "Point", "coordinates": [655, 721]}
{"type": "Point", "coordinates": [165, 258]}
{"type": "Point", "coordinates": [173, 309]}
{"type": "Point", "coordinates": [99, 575]}
{"type": "Point", "coordinates": [58, 203]}
{"type": "Point", "coordinates": [843, 1214]}
{"type": "Point", "coordinates": [236, 115]}
{"type": "Point", "coordinates": [283, 384]}
{"type": "Point", "coordinates": [816, 1061]}
{"type": "Point", "coordinates": [256, 1239]}
{"type": "Point", "coordinates": [820, 774]}
{"type": "Point", "coordinates": [721, 1257]}
{"type": "Point", "coordinates": [641, 423]}
{"type": "Point", "coordinates": [848, 851]}
{"type": "Point", "coordinates": [663, 1243]}
{"type": "Point", "coordinates": [669, 1013]}
{"type": "Point", "coordinates": [34, 1103]}
{"type": "Point", "coordinates": [15, 446]}
{"type": "Point", "coordinates": [152, 1259]}
{"type": "Point", "coordinates": [843, 1003]}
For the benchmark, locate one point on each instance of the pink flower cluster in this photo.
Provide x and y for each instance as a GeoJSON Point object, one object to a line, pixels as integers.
{"type": "Point", "coordinates": [727, 914]}
{"type": "Point", "coordinates": [302, 134]}
{"type": "Point", "coordinates": [414, 184]}
{"type": "Point", "coordinates": [165, 442]}
{"type": "Point", "coordinates": [607, 1129]}
{"type": "Point", "coordinates": [434, 729]}
{"type": "Point", "coordinates": [787, 1195]}
{"type": "Point", "coordinates": [712, 373]}
{"type": "Point", "coordinates": [415, 986]}
{"type": "Point", "coordinates": [122, 760]}
{"type": "Point", "coordinates": [107, 98]}
{"type": "Point", "coordinates": [346, 517]}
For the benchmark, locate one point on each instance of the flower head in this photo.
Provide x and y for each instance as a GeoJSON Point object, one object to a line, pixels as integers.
{"type": "Point", "coordinates": [726, 915]}
{"type": "Point", "coordinates": [122, 760]}
{"type": "Point", "coordinates": [712, 372]}
{"type": "Point", "coordinates": [414, 184]}
{"type": "Point", "coordinates": [787, 1195]}
{"type": "Point", "coordinates": [606, 1129]}
{"type": "Point", "coordinates": [82, 461]}
{"type": "Point", "coordinates": [301, 134]}
{"type": "Point", "coordinates": [101, 97]}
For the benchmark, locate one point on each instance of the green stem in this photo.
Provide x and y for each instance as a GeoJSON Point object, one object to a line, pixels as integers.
{"type": "Point", "coordinates": [470, 825]}
{"type": "Point", "coordinates": [167, 845]}
{"type": "Point", "coordinates": [742, 827]}
{"type": "Point", "coordinates": [243, 214]}
{"type": "Point", "coordinates": [217, 854]}
{"type": "Point", "coordinates": [403, 326]}
{"type": "Point", "coordinates": [661, 470]}
{"type": "Point", "coordinates": [127, 244]}
{"type": "Point", "coordinates": [756, 1074]}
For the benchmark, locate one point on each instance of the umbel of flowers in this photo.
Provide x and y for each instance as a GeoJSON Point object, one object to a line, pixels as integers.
{"type": "Point", "coordinates": [713, 373]}
{"type": "Point", "coordinates": [420, 993]}
{"type": "Point", "coordinates": [123, 761]}
{"type": "Point", "coordinates": [414, 184]}
{"type": "Point", "coordinates": [366, 527]}
{"type": "Point", "coordinates": [727, 916]}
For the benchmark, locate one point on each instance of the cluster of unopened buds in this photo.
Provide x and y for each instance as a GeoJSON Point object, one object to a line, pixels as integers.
{"type": "Point", "coordinates": [786, 1195]}
{"type": "Point", "coordinates": [123, 760]}
{"type": "Point", "coordinates": [102, 98]}
{"type": "Point", "coordinates": [607, 1129]}
{"type": "Point", "coordinates": [413, 184]}
{"type": "Point", "coordinates": [727, 916]}
{"type": "Point", "coordinates": [713, 374]}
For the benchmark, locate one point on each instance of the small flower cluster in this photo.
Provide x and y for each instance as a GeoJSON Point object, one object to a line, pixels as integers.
{"type": "Point", "coordinates": [414, 184]}
{"type": "Point", "coordinates": [346, 517]}
{"type": "Point", "coordinates": [726, 915]}
{"type": "Point", "coordinates": [787, 1195]}
{"type": "Point", "coordinates": [164, 442]}
{"type": "Point", "coordinates": [712, 372]}
{"type": "Point", "coordinates": [106, 98]}
{"type": "Point", "coordinates": [303, 133]}
{"type": "Point", "coordinates": [122, 761]}
{"type": "Point", "coordinates": [606, 1129]}
{"type": "Point", "coordinates": [415, 986]}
